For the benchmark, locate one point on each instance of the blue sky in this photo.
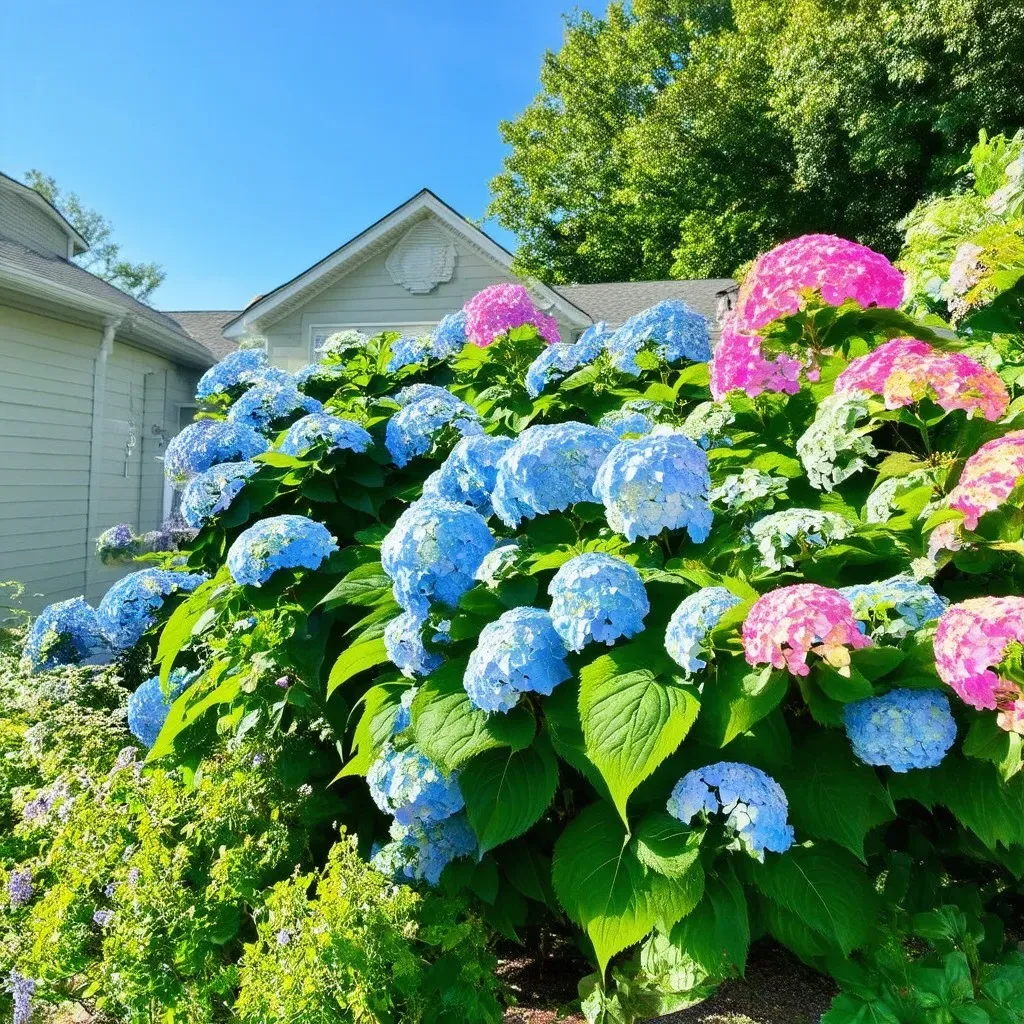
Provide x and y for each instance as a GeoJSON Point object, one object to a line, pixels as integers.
{"type": "Point", "coordinates": [236, 143]}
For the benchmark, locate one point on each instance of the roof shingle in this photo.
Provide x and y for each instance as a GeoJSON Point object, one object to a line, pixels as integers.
{"type": "Point", "coordinates": [616, 301]}
{"type": "Point", "coordinates": [205, 326]}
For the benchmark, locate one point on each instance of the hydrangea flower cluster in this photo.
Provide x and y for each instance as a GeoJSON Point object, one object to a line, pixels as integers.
{"type": "Point", "coordinates": [130, 606]}
{"type": "Point", "coordinates": [779, 533]}
{"type": "Point", "coordinates": [340, 342]}
{"type": "Point", "coordinates": [787, 624]}
{"type": "Point", "coordinates": [838, 268]}
{"type": "Point", "coordinates": [403, 716]}
{"type": "Point", "coordinates": [449, 336]}
{"type": "Point", "coordinates": [738, 365]}
{"type": "Point", "coordinates": [553, 364]}
{"type": "Point", "coordinates": [117, 544]}
{"type": "Point", "coordinates": [655, 483]}
{"type": "Point", "coordinates": [519, 652]}
{"type": "Point", "coordinates": [19, 887]}
{"type": "Point", "coordinates": [408, 786]}
{"type": "Point", "coordinates": [905, 729]}
{"type": "Point", "coordinates": [915, 371]}
{"type": "Point", "coordinates": [339, 435]}
{"type": "Point", "coordinates": [409, 350]}
{"type": "Point", "coordinates": [499, 563]}
{"type": "Point", "coordinates": [548, 468]}
{"type": "Point", "coordinates": [261, 406]}
{"type": "Point", "coordinates": [593, 341]}
{"type": "Point", "coordinates": [894, 607]}
{"type": "Point", "coordinates": [597, 598]}
{"type": "Point", "coordinates": [749, 489]}
{"type": "Point", "coordinates": [501, 308]}
{"type": "Point", "coordinates": [279, 542]}
{"type": "Point", "coordinates": [670, 329]}
{"type": "Point", "coordinates": [414, 392]}
{"type": "Point", "coordinates": [22, 990]}
{"type": "Point", "coordinates": [881, 506]}
{"type": "Point", "coordinates": [691, 623]}
{"type": "Point", "coordinates": [148, 707]}
{"type": "Point", "coordinates": [707, 425]}
{"type": "Point", "coordinates": [989, 477]}
{"type": "Point", "coordinates": [433, 553]}
{"type": "Point", "coordinates": [212, 491]}
{"type": "Point", "coordinates": [470, 472]}
{"type": "Point", "coordinates": [754, 804]}
{"type": "Point", "coordinates": [206, 443]}
{"type": "Point", "coordinates": [403, 640]}
{"type": "Point", "coordinates": [64, 633]}
{"type": "Point", "coordinates": [971, 641]}
{"type": "Point", "coordinates": [415, 428]}
{"type": "Point", "coordinates": [627, 420]}
{"type": "Point", "coordinates": [834, 448]}
{"type": "Point", "coordinates": [421, 852]}
{"type": "Point", "coordinates": [241, 368]}
{"type": "Point", "coordinates": [312, 370]}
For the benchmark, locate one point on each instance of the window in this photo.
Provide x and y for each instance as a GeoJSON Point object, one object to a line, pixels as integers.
{"type": "Point", "coordinates": [319, 333]}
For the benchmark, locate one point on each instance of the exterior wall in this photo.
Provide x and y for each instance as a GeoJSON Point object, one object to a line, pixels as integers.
{"type": "Point", "coordinates": [23, 222]}
{"type": "Point", "coordinates": [367, 298]}
{"type": "Point", "coordinates": [46, 426]}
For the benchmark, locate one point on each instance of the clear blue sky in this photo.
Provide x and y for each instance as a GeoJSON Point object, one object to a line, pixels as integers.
{"type": "Point", "coordinates": [237, 143]}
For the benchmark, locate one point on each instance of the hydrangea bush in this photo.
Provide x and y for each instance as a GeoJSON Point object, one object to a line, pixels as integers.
{"type": "Point", "coordinates": [670, 687]}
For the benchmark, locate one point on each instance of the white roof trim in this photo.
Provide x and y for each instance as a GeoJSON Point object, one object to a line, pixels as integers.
{"type": "Point", "coordinates": [424, 201]}
{"type": "Point", "coordinates": [29, 193]}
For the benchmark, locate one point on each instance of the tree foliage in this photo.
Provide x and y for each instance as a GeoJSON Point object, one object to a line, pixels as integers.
{"type": "Point", "coordinates": [678, 138]}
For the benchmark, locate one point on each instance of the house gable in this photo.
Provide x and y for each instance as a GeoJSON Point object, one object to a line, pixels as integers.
{"type": "Point", "coordinates": [27, 218]}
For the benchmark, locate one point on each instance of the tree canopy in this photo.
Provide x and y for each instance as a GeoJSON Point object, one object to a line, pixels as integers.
{"type": "Point", "coordinates": [103, 257]}
{"type": "Point", "coordinates": [679, 138]}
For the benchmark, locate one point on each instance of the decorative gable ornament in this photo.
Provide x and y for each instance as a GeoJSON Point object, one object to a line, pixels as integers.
{"type": "Point", "coordinates": [423, 259]}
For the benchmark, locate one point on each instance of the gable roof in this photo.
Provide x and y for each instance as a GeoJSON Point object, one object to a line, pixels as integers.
{"type": "Point", "coordinates": [36, 199]}
{"type": "Point", "coordinates": [616, 301]}
{"type": "Point", "coordinates": [207, 326]}
{"type": "Point", "coordinates": [52, 277]}
{"type": "Point", "coordinates": [277, 303]}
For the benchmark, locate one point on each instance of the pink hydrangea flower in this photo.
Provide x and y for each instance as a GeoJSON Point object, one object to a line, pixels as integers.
{"type": "Point", "coordinates": [836, 267]}
{"type": "Point", "coordinates": [737, 363]}
{"type": "Point", "coordinates": [502, 307]}
{"type": "Point", "coordinates": [970, 641]}
{"type": "Point", "coordinates": [1011, 717]}
{"type": "Point", "coordinates": [945, 537]}
{"type": "Point", "coordinates": [786, 624]}
{"type": "Point", "coordinates": [989, 477]}
{"type": "Point", "coordinates": [904, 371]}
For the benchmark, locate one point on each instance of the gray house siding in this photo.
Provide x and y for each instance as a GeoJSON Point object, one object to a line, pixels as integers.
{"type": "Point", "coordinates": [368, 298]}
{"type": "Point", "coordinates": [31, 226]}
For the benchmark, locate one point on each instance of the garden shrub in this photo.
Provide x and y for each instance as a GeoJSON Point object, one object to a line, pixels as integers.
{"type": "Point", "coordinates": [601, 656]}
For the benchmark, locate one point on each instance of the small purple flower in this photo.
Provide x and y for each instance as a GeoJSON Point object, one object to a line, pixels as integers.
{"type": "Point", "coordinates": [284, 937]}
{"type": "Point", "coordinates": [283, 682]}
{"type": "Point", "coordinates": [133, 877]}
{"type": "Point", "coordinates": [19, 886]}
{"type": "Point", "coordinates": [21, 989]}
{"type": "Point", "coordinates": [257, 760]}
{"type": "Point", "coordinates": [110, 889]}
{"type": "Point", "coordinates": [102, 917]}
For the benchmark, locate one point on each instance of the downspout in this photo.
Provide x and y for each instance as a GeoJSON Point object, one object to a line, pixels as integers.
{"type": "Point", "coordinates": [99, 388]}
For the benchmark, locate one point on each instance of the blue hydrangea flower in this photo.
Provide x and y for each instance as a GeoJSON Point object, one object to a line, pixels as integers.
{"type": "Point", "coordinates": [407, 785]}
{"type": "Point", "coordinates": [519, 652]}
{"type": "Point", "coordinates": [409, 350]}
{"type": "Point", "coordinates": [242, 367]}
{"type": "Point", "coordinates": [19, 887]}
{"type": "Point", "coordinates": [206, 443]}
{"type": "Point", "coordinates": [261, 406]}
{"type": "Point", "coordinates": [468, 475]}
{"type": "Point", "coordinates": [656, 483]}
{"type": "Point", "coordinates": [280, 542]}
{"type": "Point", "coordinates": [749, 489]}
{"type": "Point", "coordinates": [403, 641]}
{"type": "Point", "coordinates": [311, 370]}
{"type": "Point", "coordinates": [323, 428]}
{"type": "Point", "coordinates": [433, 552]}
{"type": "Point", "coordinates": [597, 597]}
{"type": "Point", "coordinates": [548, 468]}
{"type": "Point", "coordinates": [904, 729]}
{"type": "Point", "coordinates": [670, 329]}
{"type": "Point", "coordinates": [894, 607]}
{"type": "Point", "coordinates": [65, 633]}
{"type": "Point", "coordinates": [414, 392]}
{"type": "Point", "coordinates": [118, 543]}
{"type": "Point", "coordinates": [130, 606]}
{"type": "Point", "coordinates": [553, 364]}
{"type": "Point", "coordinates": [755, 807]}
{"type": "Point", "coordinates": [403, 717]}
{"type": "Point", "coordinates": [212, 491]}
{"type": "Point", "coordinates": [592, 342]}
{"type": "Point", "coordinates": [691, 623]}
{"type": "Point", "coordinates": [449, 336]}
{"type": "Point", "coordinates": [416, 427]}
{"type": "Point", "coordinates": [791, 529]}
{"type": "Point", "coordinates": [627, 420]}
{"type": "Point", "coordinates": [708, 424]}
{"type": "Point", "coordinates": [22, 990]}
{"type": "Point", "coordinates": [499, 564]}
{"type": "Point", "coordinates": [148, 707]}
{"type": "Point", "coordinates": [420, 853]}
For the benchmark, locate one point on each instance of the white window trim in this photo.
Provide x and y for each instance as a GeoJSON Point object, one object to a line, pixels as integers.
{"type": "Point", "coordinates": [366, 328]}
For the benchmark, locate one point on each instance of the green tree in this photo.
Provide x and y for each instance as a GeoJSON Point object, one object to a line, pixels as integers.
{"type": "Point", "coordinates": [103, 257]}
{"type": "Point", "coordinates": [681, 137]}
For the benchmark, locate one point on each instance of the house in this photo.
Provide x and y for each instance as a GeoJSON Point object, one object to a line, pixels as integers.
{"type": "Point", "coordinates": [405, 272]}
{"type": "Point", "coordinates": [94, 383]}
